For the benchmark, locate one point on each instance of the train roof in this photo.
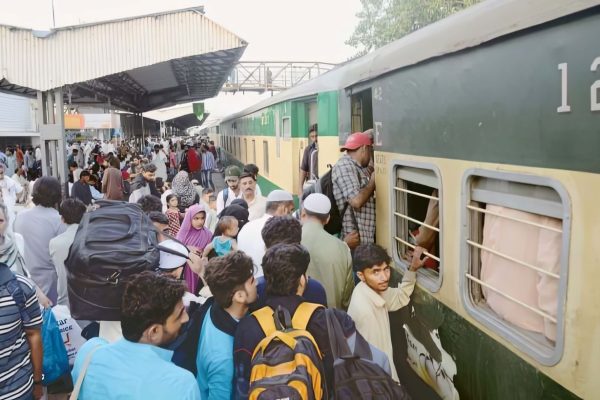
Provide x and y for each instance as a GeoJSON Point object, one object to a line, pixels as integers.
{"type": "Point", "coordinates": [486, 21]}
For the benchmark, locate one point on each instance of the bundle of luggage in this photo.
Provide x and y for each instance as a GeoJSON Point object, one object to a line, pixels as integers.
{"type": "Point", "coordinates": [113, 243]}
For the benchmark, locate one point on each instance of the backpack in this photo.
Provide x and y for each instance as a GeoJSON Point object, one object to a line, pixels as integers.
{"type": "Point", "coordinates": [356, 376]}
{"type": "Point", "coordinates": [112, 243]}
{"type": "Point", "coordinates": [225, 196]}
{"type": "Point", "coordinates": [185, 347]}
{"type": "Point", "coordinates": [324, 185]}
{"type": "Point", "coordinates": [287, 363]}
{"type": "Point", "coordinates": [9, 280]}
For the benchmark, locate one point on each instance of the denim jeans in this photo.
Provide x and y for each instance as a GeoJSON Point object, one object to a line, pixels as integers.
{"type": "Point", "coordinates": [207, 179]}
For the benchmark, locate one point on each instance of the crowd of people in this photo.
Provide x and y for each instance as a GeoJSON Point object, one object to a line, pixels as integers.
{"type": "Point", "coordinates": [237, 270]}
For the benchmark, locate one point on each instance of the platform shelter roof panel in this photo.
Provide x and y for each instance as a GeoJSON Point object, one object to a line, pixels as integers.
{"type": "Point", "coordinates": [187, 121]}
{"type": "Point", "coordinates": [136, 64]}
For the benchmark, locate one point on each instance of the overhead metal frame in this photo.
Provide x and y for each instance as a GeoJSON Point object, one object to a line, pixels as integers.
{"type": "Point", "coordinates": [198, 77]}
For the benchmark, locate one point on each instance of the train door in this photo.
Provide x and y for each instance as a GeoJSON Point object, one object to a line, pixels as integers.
{"type": "Point", "coordinates": [362, 111]}
{"type": "Point", "coordinates": [312, 118]}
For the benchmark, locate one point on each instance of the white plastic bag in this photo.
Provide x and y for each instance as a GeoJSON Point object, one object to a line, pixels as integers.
{"type": "Point", "coordinates": [70, 331]}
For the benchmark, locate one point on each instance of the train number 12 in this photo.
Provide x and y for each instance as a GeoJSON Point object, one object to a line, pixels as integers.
{"type": "Point", "coordinates": [594, 101]}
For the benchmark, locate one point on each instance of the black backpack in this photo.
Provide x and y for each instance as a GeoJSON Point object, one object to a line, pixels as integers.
{"type": "Point", "coordinates": [113, 243]}
{"type": "Point", "coordinates": [324, 185]}
{"type": "Point", "coordinates": [356, 376]}
{"type": "Point", "coordinates": [185, 347]}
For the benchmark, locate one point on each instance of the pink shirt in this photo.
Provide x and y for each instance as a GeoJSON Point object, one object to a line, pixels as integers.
{"type": "Point", "coordinates": [536, 246]}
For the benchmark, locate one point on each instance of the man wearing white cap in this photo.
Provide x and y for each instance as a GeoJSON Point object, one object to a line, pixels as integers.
{"type": "Point", "coordinates": [173, 257]}
{"type": "Point", "coordinates": [279, 202]}
{"type": "Point", "coordinates": [330, 259]}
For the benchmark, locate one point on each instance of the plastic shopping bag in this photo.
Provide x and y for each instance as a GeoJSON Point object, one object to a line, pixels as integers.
{"type": "Point", "coordinates": [70, 331]}
{"type": "Point", "coordinates": [56, 360]}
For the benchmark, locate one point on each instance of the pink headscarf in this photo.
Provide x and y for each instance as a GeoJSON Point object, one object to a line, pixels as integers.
{"type": "Point", "coordinates": [191, 236]}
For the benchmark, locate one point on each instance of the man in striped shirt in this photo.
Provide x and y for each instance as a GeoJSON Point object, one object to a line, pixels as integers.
{"type": "Point", "coordinates": [208, 165]}
{"type": "Point", "coordinates": [20, 338]}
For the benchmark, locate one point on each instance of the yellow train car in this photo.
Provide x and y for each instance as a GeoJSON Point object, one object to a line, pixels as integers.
{"type": "Point", "coordinates": [486, 129]}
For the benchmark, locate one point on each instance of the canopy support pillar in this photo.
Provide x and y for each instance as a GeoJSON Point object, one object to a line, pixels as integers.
{"type": "Point", "coordinates": [52, 134]}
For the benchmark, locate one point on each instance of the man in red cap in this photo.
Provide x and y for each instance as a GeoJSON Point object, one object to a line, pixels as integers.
{"type": "Point", "coordinates": [354, 188]}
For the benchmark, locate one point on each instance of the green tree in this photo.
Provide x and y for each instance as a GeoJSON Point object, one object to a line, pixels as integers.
{"type": "Point", "coordinates": [383, 21]}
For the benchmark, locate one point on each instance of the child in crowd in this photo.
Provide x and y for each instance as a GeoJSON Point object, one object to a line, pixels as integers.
{"type": "Point", "coordinates": [173, 214]}
{"type": "Point", "coordinates": [196, 237]}
{"type": "Point", "coordinates": [225, 243]}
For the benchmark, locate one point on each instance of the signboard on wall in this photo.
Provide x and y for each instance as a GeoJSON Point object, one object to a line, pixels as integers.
{"type": "Point", "coordinates": [92, 121]}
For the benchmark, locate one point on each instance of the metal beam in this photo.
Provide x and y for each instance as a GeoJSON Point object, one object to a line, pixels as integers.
{"type": "Point", "coordinates": [260, 76]}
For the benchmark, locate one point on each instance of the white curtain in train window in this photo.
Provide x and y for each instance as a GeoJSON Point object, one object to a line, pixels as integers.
{"type": "Point", "coordinates": [531, 244]}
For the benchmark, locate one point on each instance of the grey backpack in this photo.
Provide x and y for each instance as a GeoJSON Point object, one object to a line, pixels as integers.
{"type": "Point", "coordinates": [356, 376]}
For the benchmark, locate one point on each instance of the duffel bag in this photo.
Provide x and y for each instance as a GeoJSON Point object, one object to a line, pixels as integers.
{"type": "Point", "coordinates": [112, 243]}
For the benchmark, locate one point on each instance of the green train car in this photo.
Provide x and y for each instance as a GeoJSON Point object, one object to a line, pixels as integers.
{"type": "Point", "coordinates": [487, 142]}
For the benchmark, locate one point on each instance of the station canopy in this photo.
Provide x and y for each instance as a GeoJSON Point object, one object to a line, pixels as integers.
{"type": "Point", "coordinates": [182, 117]}
{"type": "Point", "coordinates": [134, 64]}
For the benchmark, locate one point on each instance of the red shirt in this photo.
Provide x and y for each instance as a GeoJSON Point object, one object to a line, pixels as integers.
{"type": "Point", "coordinates": [194, 162]}
{"type": "Point", "coordinates": [19, 156]}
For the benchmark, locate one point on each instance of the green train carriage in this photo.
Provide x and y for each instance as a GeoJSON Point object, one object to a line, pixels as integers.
{"type": "Point", "coordinates": [497, 106]}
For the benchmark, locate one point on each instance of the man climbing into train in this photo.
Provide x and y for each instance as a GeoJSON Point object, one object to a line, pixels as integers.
{"type": "Point", "coordinates": [354, 189]}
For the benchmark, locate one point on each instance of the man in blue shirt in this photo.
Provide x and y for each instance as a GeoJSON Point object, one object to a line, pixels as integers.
{"type": "Point", "coordinates": [139, 366]}
{"type": "Point", "coordinates": [286, 229]}
{"type": "Point", "coordinates": [231, 281]}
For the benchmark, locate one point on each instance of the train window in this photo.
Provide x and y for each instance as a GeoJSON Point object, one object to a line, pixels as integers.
{"type": "Point", "coordinates": [287, 128]}
{"type": "Point", "coordinates": [246, 159]}
{"type": "Point", "coordinates": [238, 147]}
{"type": "Point", "coordinates": [254, 151]}
{"type": "Point", "coordinates": [515, 257]}
{"type": "Point", "coordinates": [416, 218]}
{"type": "Point", "coordinates": [266, 157]}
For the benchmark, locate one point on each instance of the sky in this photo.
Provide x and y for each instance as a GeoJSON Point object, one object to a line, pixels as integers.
{"type": "Point", "coordinates": [276, 30]}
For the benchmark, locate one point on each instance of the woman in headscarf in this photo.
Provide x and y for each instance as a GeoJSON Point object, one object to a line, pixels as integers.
{"type": "Point", "coordinates": [12, 245]}
{"type": "Point", "coordinates": [240, 202]}
{"type": "Point", "coordinates": [184, 190]}
{"type": "Point", "coordinates": [238, 212]}
{"type": "Point", "coordinates": [195, 236]}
